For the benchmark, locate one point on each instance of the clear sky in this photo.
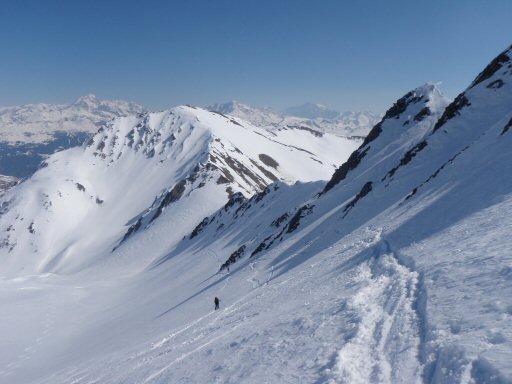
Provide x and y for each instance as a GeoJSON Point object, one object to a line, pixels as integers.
{"type": "Point", "coordinates": [349, 55]}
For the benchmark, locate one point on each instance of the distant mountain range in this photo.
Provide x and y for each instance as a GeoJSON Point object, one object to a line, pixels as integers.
{"type": "Point", "coordinates": [308, 115]}
{"type": "Point", "coordinates": [311, 111]}
{"type": "Point", "coordinates": [29, 133]}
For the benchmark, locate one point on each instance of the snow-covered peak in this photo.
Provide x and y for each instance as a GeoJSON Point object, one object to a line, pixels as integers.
{"type": "Point", "coordinates": [405, 124]}
{"type": "Point", "coordinates": [87, 101]}
{"type": "Point", "coordinates": [217, 137]}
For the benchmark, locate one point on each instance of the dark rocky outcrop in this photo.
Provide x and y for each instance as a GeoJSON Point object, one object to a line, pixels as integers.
{"type": "Point", "coordinates": [367, 188]}
{"type": "Point", "coordinates": [492, 68]}
{"type": "Point", "coordinates": [233, 258]}
{"type": "Point", "coordinates": [199, 228]}
{"type": "Point", "coordinates": [341, 173]}
{"type": "Point", "coordinates": [277, 222]}
{"type": "Point", "coordinates": [294, 222]}
{"type": "Point", "coordinates": [495, 84]}
{"type": "Point", "coordinates": [173, 195]}
{"type": "Point", "coordinates": [507, 127]}
{"type": "Point", "coordinates": [267, 160]}
{"type": "Point", "coordinates": [408, 156]}
{"type": "Point", "coordinates": [452, 110]}
{"type": "Point", "coordinates": [422, 114]}
{"type": "Point", "coordinates": [236, 198]}
{"type": "Point", "coordinates": [133, 228]}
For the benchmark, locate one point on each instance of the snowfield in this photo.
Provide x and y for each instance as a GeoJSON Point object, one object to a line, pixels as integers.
{"type": "Point", "coordinates": [397, 270]}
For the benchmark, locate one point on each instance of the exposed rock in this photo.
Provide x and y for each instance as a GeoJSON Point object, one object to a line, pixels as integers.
{"type": "Point", "coordinates": [277, 222]}
{"type": "Point", "coordinates": [492, 68]}
{"type": "Point", "coordinates": [233, 258]}
{"type": "Point", "coordinates": [452, 110]}
{"type": "Point", "coordinates": [173, 195]}
{"type": "Point", "coordinates": [496, 84]}
{"type": "Point", "coordinates": [267, 160]}
{"type": "Point", "coordinates": [341, 173]}
{"type": "Point", "coordinates": [408, 156]}
{"type": "Point", "coordinates": [422, 114]}
{"type": "Point", "coordinates": [294, 222]}
{"type": "Point", "coordinates": [507, 127]}
{"type": "Point", "coordinates": [199, 228]}
{"type": "Point", "coordinates": [362, 193]}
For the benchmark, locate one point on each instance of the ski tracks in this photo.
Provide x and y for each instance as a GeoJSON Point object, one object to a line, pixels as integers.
{"type": "Point", "coordinates": [385, 347]}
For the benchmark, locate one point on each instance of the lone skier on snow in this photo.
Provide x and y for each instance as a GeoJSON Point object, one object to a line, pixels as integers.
{"type": "Point", "coordinates": [217, 303]}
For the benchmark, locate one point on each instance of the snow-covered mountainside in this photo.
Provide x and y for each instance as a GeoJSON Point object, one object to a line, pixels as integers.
{"type": "Point", "coordinates": [30, 132]}
{"type": "Point", "coordinates": [347, 124]}
{"type": "Point", "coordinates": [409, 238]}
{"type": "Point", "coordinates": [397, 270]}
{"type": "Point", "coordinates": [180, 164]}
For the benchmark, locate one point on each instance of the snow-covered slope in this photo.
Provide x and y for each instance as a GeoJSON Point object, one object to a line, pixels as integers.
{"type": "Point", "coordinates": [414, 228]}
{"type": "Point", "coordinates": [347, 124]}
{"type": "Point", "coordinates": [395, 271]}
{"type": "Point", "coordinates": [186, 161]}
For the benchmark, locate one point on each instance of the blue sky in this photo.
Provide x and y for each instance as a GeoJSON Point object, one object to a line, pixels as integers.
{"type": "Point", "coordinates": [349, 55]}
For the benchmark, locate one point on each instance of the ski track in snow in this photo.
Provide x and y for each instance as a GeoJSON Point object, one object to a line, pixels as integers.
{"type": "Point", "coordinates": [386, 346]}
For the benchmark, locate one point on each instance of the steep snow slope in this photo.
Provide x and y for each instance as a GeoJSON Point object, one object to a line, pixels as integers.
{"type": "Point", "coordinates": [185, 161]}
{"type": "Point", "coordinates": [347, 124]}
{"type": "Point", "coordinates": [434, 277]}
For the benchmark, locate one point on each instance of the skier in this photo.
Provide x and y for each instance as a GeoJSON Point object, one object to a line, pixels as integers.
{"type": "Point", "coordinates": [217, 303]}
